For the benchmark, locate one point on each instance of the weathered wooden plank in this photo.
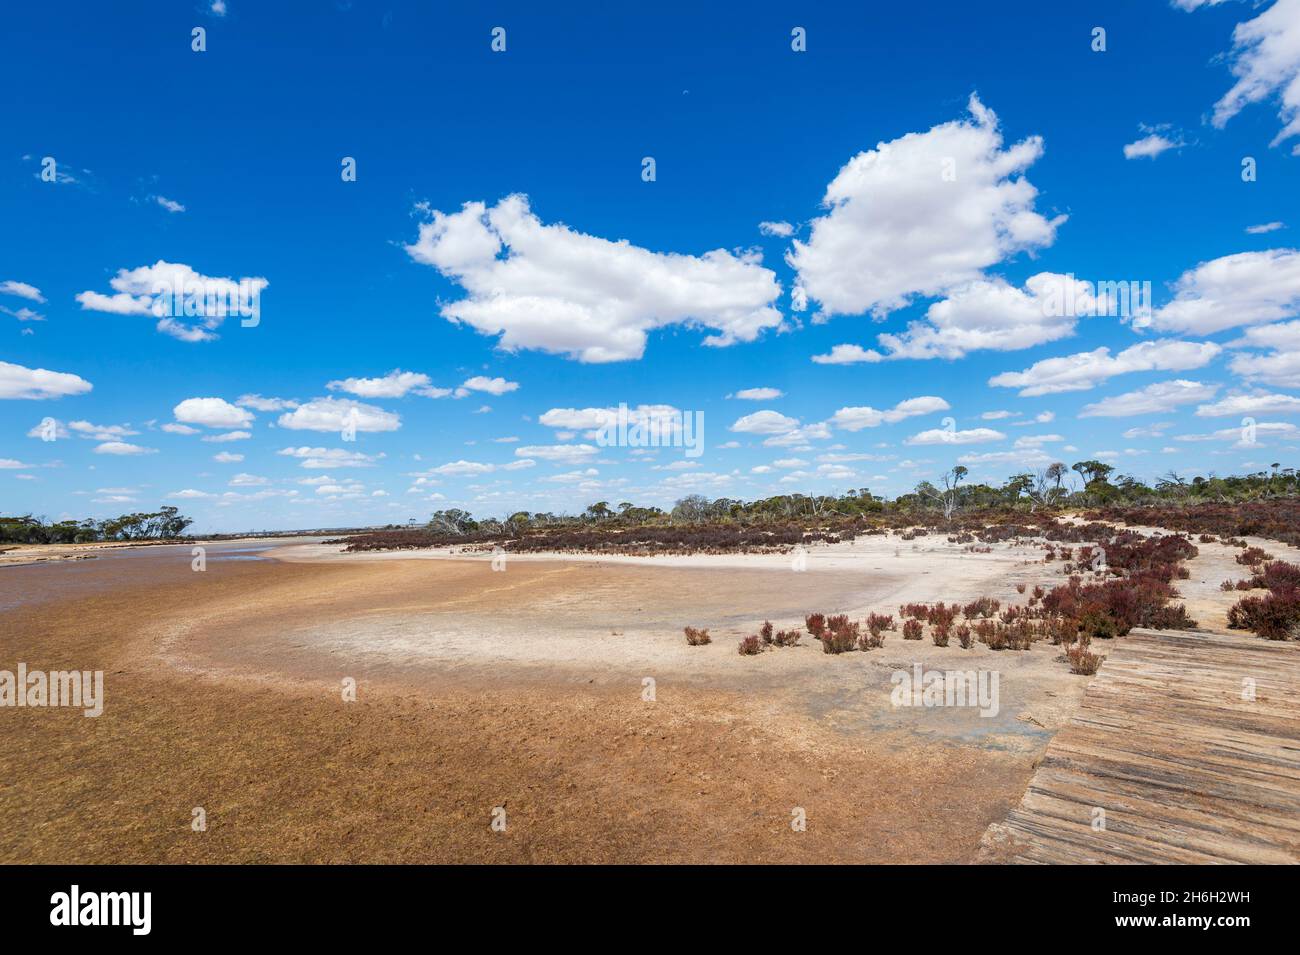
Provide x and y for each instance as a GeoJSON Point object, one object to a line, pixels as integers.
{"type": "Point", "coordinates": [1186, 770]}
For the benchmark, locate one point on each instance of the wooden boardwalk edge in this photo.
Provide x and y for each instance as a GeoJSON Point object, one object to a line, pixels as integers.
{"type": "Point", "coordinates": [1169, 760]}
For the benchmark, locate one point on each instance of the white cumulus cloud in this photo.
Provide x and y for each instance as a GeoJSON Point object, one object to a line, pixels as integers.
{"type": "Point", "coordinates": [188, 305]}
{"type": "Point", "coordinates": [855, 419]}
{"type": "Point", "coordinates": [990, 315]}
{"type": "Point", "coordinates": [337, 414]}
{"type": "Point", "coordinates": [1162, 396]}
{"type": "Point", "coordinates": [765, 422]}
{"type": "Point", "coordinates": [758, 394]}
{"type": "Point", "coordinates": [944, 436]}
{"type": "Point", "coordinates": [1236, 405]}
{"type": "Point", "coordinates": [212, 413]}
{"type": "Point", "coordinates": [18, 381]}
{"type": "Point", "coordinates": [552, 288]}
{"type": "Point", "coordinates": [1247, 288]}
{"type": "Point", "coordinates": [920, 215]}
{"type": "Point", "coordinates": [1265, 59]}
{"type": "Point", "coordinates": [1085, 370]}
{"type": "Point", "coordinates": [22, 290]}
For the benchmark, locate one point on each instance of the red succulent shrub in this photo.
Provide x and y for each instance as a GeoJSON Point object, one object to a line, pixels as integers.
{"type": "Point", "coordinates": [1276, 615]}
{"type": "Point", "coordinates": [871, 640]}
{"type": "Point", "coordinates": [697, 638]}
{"type": "Point", "coordinates": [995, 636]}
{"type": "Point", "coordinates": [879, 622]}
{"type": "Point", "coordinates": [982, 607]}
{"type": "Point", "coordinates": [1082, 660]}
{"type": "Point", "coordinates": [941, 615]}
{"type": "Point", "coordinates": [1277, 575]}
{"type": "Point", "coordinates": [1252, 556]}
{"type": "Point", "coordinates": [840, 641]}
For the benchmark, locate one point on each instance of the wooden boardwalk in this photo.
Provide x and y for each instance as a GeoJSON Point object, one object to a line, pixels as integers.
{"type": "Point", "coordinates": [1185, 769]}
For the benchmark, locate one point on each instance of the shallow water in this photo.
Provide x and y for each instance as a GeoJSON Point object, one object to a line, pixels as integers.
{"type": "Point", "coordinates": [45, 581]}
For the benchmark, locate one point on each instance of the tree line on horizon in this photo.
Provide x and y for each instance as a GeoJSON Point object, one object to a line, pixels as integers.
{"type": "Point", "coordinates": [1086, 483]}
{"type": "Point", "coordinates": [166, 523]}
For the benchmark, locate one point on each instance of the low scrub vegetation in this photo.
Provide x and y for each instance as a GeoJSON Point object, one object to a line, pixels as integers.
{"type": "Point", "coordinates": [1025, 506]}
{"type": "Point", "coordinates": [697, 638]}
{"type": "Point", "coordinates": [877, 624]}
{"type": "Point", "coordinates": [1131, 587]}
{"type": "Point", "coordinates": [841, 634]}
{"type": "Point", "coordinates": [1275, 615]}
{"type": "Point", "coordinates": [1082, 660]}
{"type": "Point", "coordinates": [1253, 556]}
{"type": "Point", "coordinates": [982, 607]}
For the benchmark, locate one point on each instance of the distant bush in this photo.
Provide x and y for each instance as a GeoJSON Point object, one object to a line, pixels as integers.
{"type": "Point", "coordinates": [1277, 575]}
{"type": "Point", "coordinates": [1020, 635]}
{"type": "Point", "coordinates": [964, 637]}
{"type": "Point", "coordinates": [697, 638]}
{"type": "Point", "coordinates": [912, 630]}
{"type": "Point", "coordinates": [841, 635]}
{"type": "Point", "coordinates": [750, 645]}
{"type": "Point", "coordinates": [1136, 597]}
{"type": "Point", "coordinates": [1252, 556]}
{"type": "Point", "coordinates": [1275, 616]}
{"type": "Point", "coordinates": [877, 623]}
{"type": "Point", "coordinates": [1169, 617]}
{"type": "Point", "coordinates": [871, 640]}
{"type": "Point", "coordinates": [983, 607]}
{"type": "Point", "coordinates": [766, 631]}
{"type": "Point", "coordinates": [1082, 660]}
{"type": "Point", "coordinates": [994, 636]}
{"type": "Point", "coordinates": [942, 615]}
{"type": "Point", "coordinates": [816, 624]}
{"type": "Point", "coordinates": [1061, 630]}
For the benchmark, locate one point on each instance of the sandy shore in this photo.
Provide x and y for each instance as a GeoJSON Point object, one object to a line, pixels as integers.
{"type": "Point", "coordinates": [523, 688]}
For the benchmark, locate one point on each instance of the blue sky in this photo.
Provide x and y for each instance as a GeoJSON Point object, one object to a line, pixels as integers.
{"type": "Point", "coordinates": [930, 172]}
